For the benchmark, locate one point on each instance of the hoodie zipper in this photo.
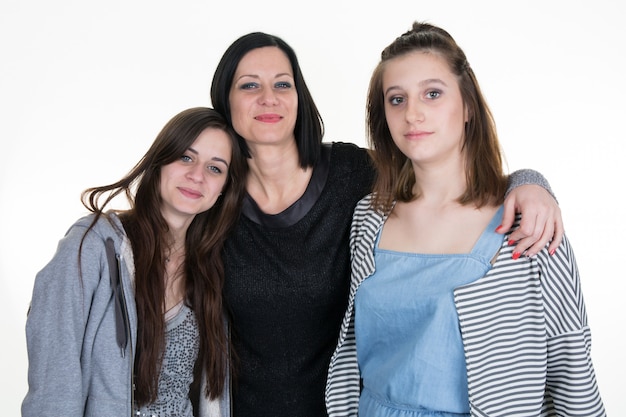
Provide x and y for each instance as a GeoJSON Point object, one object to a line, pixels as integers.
{"type": "Point", "coordinates": [122, 323]}
{"type": "Point", "coordinates": [131, 355]}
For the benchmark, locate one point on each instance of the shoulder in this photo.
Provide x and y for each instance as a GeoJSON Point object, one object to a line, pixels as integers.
{"type": "Point", "coordinates": [81, 252]}
{"type": "Point", "coordinates": [366, 221]}
{"type": "Point", "coordinates": [108, 224]}
{"type": "Point", "coordinates": [350, 153]}
{"type": "Point", "coordinates": [90, 236]}
{"type": "Point", "coordinates": [363, 207]}
{"type": "Point", "coordinates": [351, 168]}
{"type": "Point", "coordinates": [346, 147]}
{"type": "Point", "coordinates": [560, 276]}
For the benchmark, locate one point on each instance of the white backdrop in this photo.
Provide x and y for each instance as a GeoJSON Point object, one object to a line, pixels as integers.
{"type": "Point", "coordinates": [85, 87]}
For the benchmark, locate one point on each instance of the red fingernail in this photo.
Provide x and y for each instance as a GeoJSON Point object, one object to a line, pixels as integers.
{"type": "Point", "coordinates": [498, 228]}
{"type": "Point", "coordinates": [511, 242]}
{"type": "Point", "coordinates": [516, 255]}
{"type": "Point", "coordinates": [552, 251]}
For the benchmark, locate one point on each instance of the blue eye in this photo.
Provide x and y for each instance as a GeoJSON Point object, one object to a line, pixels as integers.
{"type": "Point", "coordinates": [215, 169]}
{"type": "Point", "coordinates": [433, 94]}
{"type": "Point", "coordinates": [282, 84]}
{"type": "Point", "coordinates": [248, 86]}
{"type": "Point", "coordinates": [185, 158]}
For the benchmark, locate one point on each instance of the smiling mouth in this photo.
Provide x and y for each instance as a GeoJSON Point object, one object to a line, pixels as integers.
{"type": "Point", "coordinates": [269, 118]}
{"type": "Point", "coordinates": [190, 193]}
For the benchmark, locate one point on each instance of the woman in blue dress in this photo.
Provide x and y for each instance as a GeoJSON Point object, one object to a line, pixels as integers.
{"type": "Point", "coordinates": [445, 317]}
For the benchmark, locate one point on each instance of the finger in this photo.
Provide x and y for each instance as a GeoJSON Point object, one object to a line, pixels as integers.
{"type": "Point", "coordinates": [559, 232]}
{"type": "Point", "coordinates": [508, 216]}
{"type": "Point", "coordinates": [529, 228]}
{"type": "Point", "coordinates": [543, 231]}
{"type": "Point", "coordinates": [549, 230]}
{"type": "Point", "coordinates": [526, 235]}
{"type": "Point", "coordinates": [542, 242]}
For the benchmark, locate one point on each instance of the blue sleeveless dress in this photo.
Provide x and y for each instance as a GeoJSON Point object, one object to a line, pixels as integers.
{"type": "Point", "coordinates": [409, 346]}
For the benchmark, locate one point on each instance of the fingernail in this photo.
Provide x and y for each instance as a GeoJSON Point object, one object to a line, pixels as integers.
{"type": "Point", "coordinates": [552, 251]}
{"type": "Point", "coordinates": [511, 242]}
{"type": "Point", "coordinates": [498, 228]}
{"type": "Point", "coordinates": [516, 255]}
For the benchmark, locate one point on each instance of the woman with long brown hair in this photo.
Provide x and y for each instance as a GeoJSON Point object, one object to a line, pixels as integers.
{"type": "Point", "coordinates": [127, 316]}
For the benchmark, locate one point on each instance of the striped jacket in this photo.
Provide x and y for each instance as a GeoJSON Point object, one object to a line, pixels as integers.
{"type": "Point", "coordinates": [524, 329]}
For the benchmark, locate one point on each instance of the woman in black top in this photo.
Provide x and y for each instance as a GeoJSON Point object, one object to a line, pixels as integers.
{"type": "Point", "coordinates": [287, 262]}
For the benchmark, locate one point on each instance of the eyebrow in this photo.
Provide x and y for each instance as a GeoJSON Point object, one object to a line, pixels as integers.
{"type": "Point", "coordinates": [245, 75]}
{"type": "Point", "coordinates": [215, 158]}
{"type": "Point", "coordinates": [421, 84]}
{"type": "Point", "coordinates": [220, 160]}
{"type": "Point", "coordinates": [282, 74]}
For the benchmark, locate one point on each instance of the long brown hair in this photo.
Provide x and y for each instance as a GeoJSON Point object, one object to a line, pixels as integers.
{"type": "Point", "coordinates": [203, 268]}
{"type": "Point", "coordinates": [486, 181]}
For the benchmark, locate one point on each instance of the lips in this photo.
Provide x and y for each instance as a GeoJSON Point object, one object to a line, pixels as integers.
{"type": "Point", "coordinates": [268, 118]}
{"type": "Point", "coordinates": [416, 135]}
{"type": "Point", "coordinates": [187, 192]}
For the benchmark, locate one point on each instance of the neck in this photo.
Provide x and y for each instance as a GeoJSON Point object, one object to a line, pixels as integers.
{"type": "Point", "coordinates": [174, 267]}
{"type": "Point", "coordinates": [276, 179]}
{"type": "Point", "coordinates": [440, 184]}
{"type": "Point", "coordinates": [176, 240]}
{"type": "Point", "coordinates": [270, 162]}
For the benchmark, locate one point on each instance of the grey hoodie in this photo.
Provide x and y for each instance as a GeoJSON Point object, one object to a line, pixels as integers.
{"type": "Point", "coordinates": [80, 349]}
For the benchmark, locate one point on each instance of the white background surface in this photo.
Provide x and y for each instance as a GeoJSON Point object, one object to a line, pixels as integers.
{"type": "Point", "coordinates": [85, 87]}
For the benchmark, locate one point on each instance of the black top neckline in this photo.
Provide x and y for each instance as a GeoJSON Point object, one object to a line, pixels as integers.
{"type": "Point", "coordinates": [294, 213]}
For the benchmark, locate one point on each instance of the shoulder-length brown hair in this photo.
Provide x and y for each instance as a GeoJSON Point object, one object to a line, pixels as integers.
{"type": "Point", "coordinates": [486, 181]}
{"type": "Point", "coordinates": [203, 268]}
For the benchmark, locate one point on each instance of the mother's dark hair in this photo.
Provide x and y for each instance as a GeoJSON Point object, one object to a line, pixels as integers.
{"type": "Point", "coordinates": [309, 130]}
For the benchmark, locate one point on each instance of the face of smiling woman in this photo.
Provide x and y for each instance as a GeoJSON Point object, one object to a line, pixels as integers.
{"type": "Point", "coordinates": [423, 107]}
{"type": "Point", "coordinates": [263, 98]}
{"type": "Point", "coordinates": [193, 183]}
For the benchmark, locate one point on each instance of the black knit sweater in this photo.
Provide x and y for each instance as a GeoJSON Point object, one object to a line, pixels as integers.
{"type": "Point", "coordinates": [287, 280]}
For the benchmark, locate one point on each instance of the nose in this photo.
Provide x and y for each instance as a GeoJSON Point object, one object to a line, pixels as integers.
{"type": "Point", "coordinates": [195, 173]}
{"type": "Point", "coordinates": [414, 111]}
{"type": "Point", "coordinates": [268, 97]}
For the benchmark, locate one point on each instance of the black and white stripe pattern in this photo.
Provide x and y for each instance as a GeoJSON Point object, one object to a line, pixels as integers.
{"type": "Point", "coordinates": [524, 326]}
